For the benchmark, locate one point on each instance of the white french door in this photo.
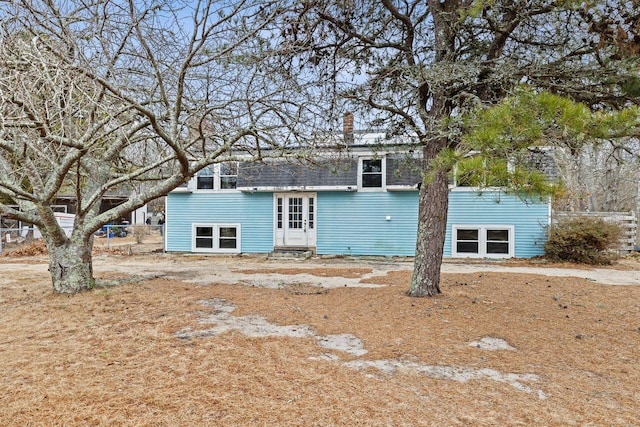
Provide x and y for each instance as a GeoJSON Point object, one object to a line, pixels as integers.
{"type": "Point", "coordinates": [295, 220]}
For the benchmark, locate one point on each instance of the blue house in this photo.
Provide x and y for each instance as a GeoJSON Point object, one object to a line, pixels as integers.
{"type": "Point", "coordinates": [359, 201]}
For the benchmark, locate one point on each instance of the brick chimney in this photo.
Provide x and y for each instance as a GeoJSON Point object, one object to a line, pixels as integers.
{"type": "Point", "coordinates": [347, 128]}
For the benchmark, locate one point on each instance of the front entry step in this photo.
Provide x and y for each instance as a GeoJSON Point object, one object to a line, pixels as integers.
{"type": "Point", "coordinates": [292, 253]}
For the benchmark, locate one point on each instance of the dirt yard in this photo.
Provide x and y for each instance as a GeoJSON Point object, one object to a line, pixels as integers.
{"type": "Point", "coordinates": [179, 340]}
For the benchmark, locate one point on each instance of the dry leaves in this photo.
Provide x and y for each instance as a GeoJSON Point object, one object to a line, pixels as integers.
{"type": "Point", "coordinates": [111, 356]}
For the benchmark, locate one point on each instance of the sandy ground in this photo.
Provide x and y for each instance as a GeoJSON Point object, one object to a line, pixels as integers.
{"type": "Point", "coordinates": [174, 339]}
{"type": "Point", "coordinates": [255, 269]}
{"type": "Point", "coordinates": [607, 276]}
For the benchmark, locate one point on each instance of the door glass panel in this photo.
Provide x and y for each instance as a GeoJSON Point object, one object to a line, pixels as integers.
{"type": "Point", "coordinates": [311, 213]}
{"type": "Point", "coordinates": [279, 213]}
{"type": "Point", "coordinates": [295, 212]}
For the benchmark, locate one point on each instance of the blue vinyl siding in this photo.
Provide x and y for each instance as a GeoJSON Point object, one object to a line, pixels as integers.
{"type": "Point", "coordinates": [529, 218]}
{"type": "Point", "coordinates": [253, 211]}
{"type": "Point", "coordinates": [353, 223]}
{"type": "Point", "coordinates": [356, 224]}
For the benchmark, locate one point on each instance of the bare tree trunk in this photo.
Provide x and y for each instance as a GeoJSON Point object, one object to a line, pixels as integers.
{"type": "Point", "coordinates": [433, 205]}
{"type": "Point", "coordinates": [432, 225]}
{"type": "Point", "coordinates": [71, 265]}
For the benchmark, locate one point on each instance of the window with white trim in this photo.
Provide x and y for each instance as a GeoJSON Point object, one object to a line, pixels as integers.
{"type": "Point", "coordinates": [228, 237]}
{"type": "Point", "coordinates": [228, 175]}
{"type": "Point", "coordinates": [216, 238]}
{"type": "Point", "coordinates": [222, 176]}
{"type": "Point", "coordinates": [371, 173]}
{"type": "Point", "coordinates": [482, 241]}
{"type": "Point", "coordinates": [205, 179]}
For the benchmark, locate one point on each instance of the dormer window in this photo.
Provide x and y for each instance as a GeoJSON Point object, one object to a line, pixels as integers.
{"type": "Point", "coordinates": [205, 179]}
{"type": "Point", "coordinates": [371, 173]}
{"type": "Point", "coordinates": [228, 175]}
{"type": "Point", "coordinates": [222, 176]}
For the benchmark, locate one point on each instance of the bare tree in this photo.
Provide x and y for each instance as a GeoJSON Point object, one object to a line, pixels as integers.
{"type": "Point", "coordinates": [603, 177]}
{"type": "Point", "coordinates": [415, 67]}
{"type": "Point", "coordinates": [109, 95]}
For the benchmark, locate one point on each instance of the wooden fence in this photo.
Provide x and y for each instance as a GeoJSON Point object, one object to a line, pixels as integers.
{"type": "Point", "coordinates": [627, 221]}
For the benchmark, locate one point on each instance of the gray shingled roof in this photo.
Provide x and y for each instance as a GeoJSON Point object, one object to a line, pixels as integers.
{"type": "Point", "coordinates": [400, 170]}
{"type": "Point", "coordinates": [283, 173]}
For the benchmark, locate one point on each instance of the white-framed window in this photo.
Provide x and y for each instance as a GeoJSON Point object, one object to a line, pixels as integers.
{"type": "Point", "coordinates": [205, 179]}
{"type": "Point", "coordinates": [221, 176]}
{"type": "Point", "coordinates": [482, 241]}
{"type": "Point", "coordinates": [216, 238]}
{"type": "Point", "coordinates": [371, 173]}
{"type": "Point", "coordinates": [228, 175]}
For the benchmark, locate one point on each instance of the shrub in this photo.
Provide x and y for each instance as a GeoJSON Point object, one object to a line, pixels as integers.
{"type": "Point", "coordinates": [583, 239]}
